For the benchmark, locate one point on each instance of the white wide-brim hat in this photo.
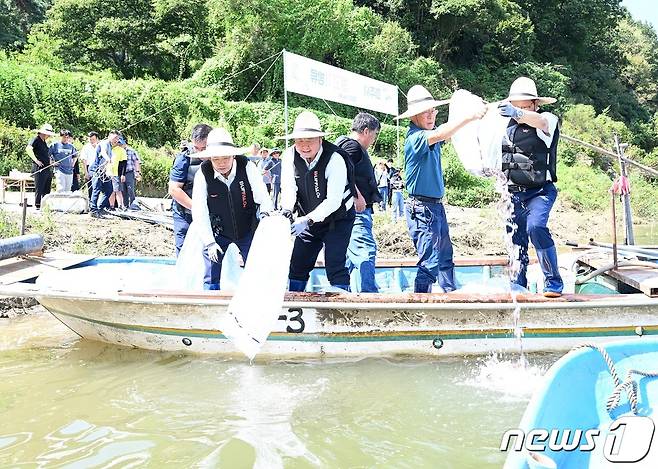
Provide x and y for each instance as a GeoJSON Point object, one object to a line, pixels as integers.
{"type": "Point", "coordinates": [46, 129]}
{"type": "Point", "coordinates": [419, 100]}
{"type": "Point", "coordinates": [220, 143]}
{"type": "Point", "coordinates": [307, 125]}
{"type": "Point", "coordinates": [524, 88]}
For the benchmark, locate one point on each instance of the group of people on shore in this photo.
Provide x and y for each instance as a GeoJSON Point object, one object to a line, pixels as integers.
{"type": "Point", "coordinates": [110, 168]}
{"type": "Point", "coordinates": [328, 191]}
{"type": "Point", "coordinates": [390, 184]}
{"type": "Point", "coordinates": [269, 164]}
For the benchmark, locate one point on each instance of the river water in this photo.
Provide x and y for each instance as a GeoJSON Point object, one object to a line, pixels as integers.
{"type": "Point", "coordinates": [72, 403]}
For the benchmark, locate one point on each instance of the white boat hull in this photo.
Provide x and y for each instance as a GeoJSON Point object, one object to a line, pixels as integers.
{"type": "Point", "coordinates": [358, 328]}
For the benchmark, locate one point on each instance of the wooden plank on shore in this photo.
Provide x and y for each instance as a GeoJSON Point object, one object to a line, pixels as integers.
{"type": "Point", "coordinates": [642, 278]}
{"type": "Point", "coordinates": [19, 269]}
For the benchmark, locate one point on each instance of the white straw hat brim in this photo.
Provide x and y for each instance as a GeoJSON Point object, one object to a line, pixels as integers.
{"type": "Point", "coordinates": [224, 149]}
{"type": "Point", "coordinates": [524, 97]}
{"type": "Point", "coordinates": [46, 132]}
{"type": "Point", "coordinates": [303, 134]}
{"type": "Point", "coordinates": [423, 106]}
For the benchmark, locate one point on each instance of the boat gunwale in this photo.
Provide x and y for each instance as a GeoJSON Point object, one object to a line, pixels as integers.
{"type": "Point", "coordinates": [324, 301]}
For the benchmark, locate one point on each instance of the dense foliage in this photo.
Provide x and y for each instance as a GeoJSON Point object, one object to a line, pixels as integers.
{"type": "Point", "coordinates": [16, 18]}
{"type": "Point", "coordinates": [156, 67]}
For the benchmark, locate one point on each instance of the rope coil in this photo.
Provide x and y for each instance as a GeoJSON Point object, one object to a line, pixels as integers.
{"type": "Point", "coordinates": [628, 385]}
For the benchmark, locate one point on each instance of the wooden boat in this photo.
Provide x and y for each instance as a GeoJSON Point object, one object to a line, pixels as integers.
{"type": "Point", "coordinates": [572, 422]}
{"type": "Point", "coordinates": [158, 317]}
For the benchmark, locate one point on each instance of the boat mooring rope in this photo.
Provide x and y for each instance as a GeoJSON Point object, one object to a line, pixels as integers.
{"type": "Point", "coordinates": [628, 385]}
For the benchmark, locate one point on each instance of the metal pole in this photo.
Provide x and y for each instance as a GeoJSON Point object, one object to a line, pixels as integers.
{"type": "Point", "coordinates": [24, 216]}
{"type": "Point", "coordinates": [614, 231]}
{"type": "Point", "coordinates": [397, 131]}
{"type": "Point", "coordinates": [397, 143]}
{"type": "Point", "coordinates": [628, 215]}
{"type": "Point", "coordinates": [605, 152]}
{"type": "Point", "coordinates": [285, 97]}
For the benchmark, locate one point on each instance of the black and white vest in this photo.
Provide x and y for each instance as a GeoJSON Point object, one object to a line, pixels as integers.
{"type": "Point", "coordinates": [526, 158]}
{"type": "Point", "coordinates": [232, 208]}
{"type": "Point", "coordinates": [312, 183]}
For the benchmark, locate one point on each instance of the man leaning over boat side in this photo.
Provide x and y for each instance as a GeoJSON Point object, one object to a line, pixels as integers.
{"type": "Point", "coordinates": [181, 181]}
{"type": "Point", "coordinates": [362, 250]}
{"type": "Point", "coordinates": [426, 216]}
{"type": "Point", "coordinates": [317, 183]}
{"type": "Point", "coordinates": [530, 161]}
{"type": "Point", "coordinates": [228, 198]}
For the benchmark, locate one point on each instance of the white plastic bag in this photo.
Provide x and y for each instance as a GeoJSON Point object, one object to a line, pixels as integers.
{"type": "Point", "coordinates": [190, 265]}
{"type": "Point", "coordinates": [257, 302]}
{"type": "Point", "coordinates": [479, 143]}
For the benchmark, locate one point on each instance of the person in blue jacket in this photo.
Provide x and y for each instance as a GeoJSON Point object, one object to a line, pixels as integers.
{"type": "Point", "coordinates": [426, 216]}
{"type": "Point", "coordinates": [181, 182]}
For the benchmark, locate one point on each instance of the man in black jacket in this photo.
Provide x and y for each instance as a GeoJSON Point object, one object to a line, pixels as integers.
{"type": "Point", "coordinates": [39, 151]}
{"type": "Point", "coordinates": [362, 250]}
{"type": "Point", "coordinates": [227, 198]}
{"type": "Point", "coordinates": [317, 183]}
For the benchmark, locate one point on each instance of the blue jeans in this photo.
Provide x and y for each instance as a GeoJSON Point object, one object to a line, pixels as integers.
{"type": "Point", "coordinates": [361, 254]}
{"type": "Point", "coordinates": [212, 279]}
{"type": "Point", "coordinates": [181, 225]}
{"type": "Point", "coordinates": [383, 192]}
{"type": "Point", "coordinates": [398, 204]}
{"type": "Point", "coordinates": [334, 237]}
{"type": "Point", "coordinates": [531, 211]}
{"type": "Point", "coordinates": [100, 193]}
{"type": "Point", "coordinates": [276, 190]}
{"type": "Point", "coordinates": [428, 228]}
{"type": "Point", "coordinates": [128, 188]}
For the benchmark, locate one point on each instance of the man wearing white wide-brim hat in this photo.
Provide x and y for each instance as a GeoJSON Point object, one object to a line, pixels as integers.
{"type": "Point", "coordinates": [39, 152]}
{"type": "Point", "coordinates": [426, 216]}
{"type": "Point", "coordinates": [227, 195]}
{"type": "Point", "coordinates": [530, 160]}
{"type": "Point", "coordinates": [317, 183]}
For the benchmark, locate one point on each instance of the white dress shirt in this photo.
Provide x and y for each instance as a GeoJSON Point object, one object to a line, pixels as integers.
{"type": "Point", "coordinates": [336, 176]}
{"type": "Point", "coordinates": [200, 212]}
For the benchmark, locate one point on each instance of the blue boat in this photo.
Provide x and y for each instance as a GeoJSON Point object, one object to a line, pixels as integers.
{"type": "Point", "coordinates": [596, 408]}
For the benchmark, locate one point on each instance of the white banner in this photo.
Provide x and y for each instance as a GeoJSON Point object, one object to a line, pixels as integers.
{"type": "Point", "coordinates": [312, 78]}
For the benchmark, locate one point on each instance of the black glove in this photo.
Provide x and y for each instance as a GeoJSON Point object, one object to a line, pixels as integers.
{"type": "Point", "coordinates": [288, 214]}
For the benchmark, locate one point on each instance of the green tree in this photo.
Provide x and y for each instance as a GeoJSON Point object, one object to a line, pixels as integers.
{"type": "Point", "coordinates": [639, 44]}
{"type": "Point", "coordinates": [16, 19]}
{"type": "Point", "coordinates": [134, 38]}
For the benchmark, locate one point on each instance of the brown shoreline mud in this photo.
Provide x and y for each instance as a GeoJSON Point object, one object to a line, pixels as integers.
{"type": "Point", "coordinates": [474, 232]}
